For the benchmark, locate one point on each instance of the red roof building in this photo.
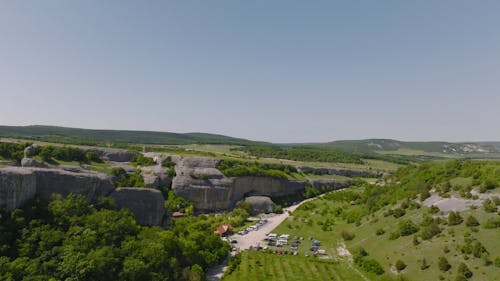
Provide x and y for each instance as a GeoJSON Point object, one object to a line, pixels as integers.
{"type": "Point", "coordinates": [223, 229]}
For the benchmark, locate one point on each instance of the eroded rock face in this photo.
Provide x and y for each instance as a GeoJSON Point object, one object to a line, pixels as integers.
{"type": "Point", "coordinates": [155, 177]}
{"type": "Point", "coordinates": [146, 204]}
{"type": "Point", "coordinates": [30, 151]}
{"type": "Point", "coordinates": [260, 204]}
{"type": "Point", "coordinates": [114, 155]}
{"type": "Point", "coordinates": [30, 162]}
{"type": "Point", "coordinates": [90, 185]}
{"type": "Point", "coordinates": [329, 183]}
{"type": "Point", "coordinates": [198, 180]}
{"type": "Point", "coordinates": [17, 186]}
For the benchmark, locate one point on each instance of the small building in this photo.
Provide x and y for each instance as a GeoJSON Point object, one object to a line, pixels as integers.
{"type": "Point", "coordinates": [224, 230]}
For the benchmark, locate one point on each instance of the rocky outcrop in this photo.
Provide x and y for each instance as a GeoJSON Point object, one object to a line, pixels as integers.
{"type": "Point", "coordinates": [145, 204]}
{"type": "Point", "coordinates": [162, 158]}
{"type": "Point", "coordinates": [260, 204]}
{"type": "Point", "coordinates": [114, 155]}
{"type": "Point", "coordinates": [339, 172]}
{"type": "Point", "coordinates": [17, 186]}
{"type": "Point", "coordinates": [329, 183]}
{"type": "Point", "coordinates": [30, 162]}
{"type": "Point", "coordinates": [198, 180]}
{"type": "Point", "coordinates": [30, 151]}
{"type": "Point", "coordinates": [90, 185]}
{"type": "Point", "coordinates": [155, 177]}
{"type": "Point", "coordinates": [266, 186]}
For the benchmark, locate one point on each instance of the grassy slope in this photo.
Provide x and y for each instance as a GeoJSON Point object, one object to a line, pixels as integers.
{"type": "Point", "coordinates": [306, 223]}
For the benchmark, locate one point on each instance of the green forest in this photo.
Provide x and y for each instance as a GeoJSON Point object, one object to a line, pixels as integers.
{"type": "Point", "coordinates": [69, 239]}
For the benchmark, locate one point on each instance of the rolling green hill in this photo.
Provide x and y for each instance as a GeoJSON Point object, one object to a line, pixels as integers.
{"type": "Point", "coordinates": [94, 137]}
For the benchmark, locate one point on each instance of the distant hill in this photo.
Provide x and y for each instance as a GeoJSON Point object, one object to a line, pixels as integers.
{"type": "Point", "coordinates": [377, 145]}
{"type": "Point", "coordinates": [359, 147]}
{"type": "Point", "coordinates": [93, 137]}
{"type": "Point", "coordinates": [495, 144]}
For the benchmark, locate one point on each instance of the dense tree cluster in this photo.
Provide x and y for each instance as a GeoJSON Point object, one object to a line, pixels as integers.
{"type": "Point", "coordinates": [233, 168]}
{"type": "Point", "coordinates": [302, 153]}
{"type": "Point", "coordinates": [123, 179]}
{"type": "Point", "coordinates": [12, 151]}
{"type": "Point", "coordinates": [68, 239]}
{"type": "Point", "coordinates": [141, 160]}
{"type": "Point", "coordinates": [50, 153]}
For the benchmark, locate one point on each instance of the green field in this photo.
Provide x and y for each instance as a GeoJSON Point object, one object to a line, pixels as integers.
{"type": "Point", "coordinates": [259, 266]}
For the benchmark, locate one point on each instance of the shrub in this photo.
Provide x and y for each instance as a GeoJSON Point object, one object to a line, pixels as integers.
{"type": "Point", "coordinates": [141, 160]}
{"type": "Point", "coordinates": [489, 206]}
{"type": "Point", "coordinates": [407, 227]}
{"type": "Point", "coordinates": [398, 212]}
{"type": "Point", "coordinates": [131, 180]}
{"type": "Point", "coordinates": [497, 261]}
{"type": "Point", "coordinates": [278, 209]}
{"type": "Point", "coordinates": [496, 200]}
{"type": "Point", "coordinates": [394, 235]}
{"type": "Point", "coordinates": [471, 221]}
{"type": "Point", "coordinates": [171, 172]}
{"type": "Point", "coordinates": [310, 192]}
{"type": "Point", "coordinates": [492, 223]}
{"type": "Point", "coordinates": [423, 264]}
{"type": "Point", "coordinates": [454, 218]}
{"type": "Point", "coordinates": [424, 195]}
{"type": "Point", "coordinates": [400, 265]}
{"type": "Point", "coordinates": [415, 240]}
{"type": "Point", "coordinates": [434, 209]}
{"type": "Point", "coordinates": [430, 231]}
{"type": "Point", "coordinates": [380, 231]}
{"type": "Point", "coordinates": [464, 270]}
{"type": "Point", "coordinates": [346, 235]}
{"type": "Point", "coordinates": [370, 265]}
{"type": "Point", "coordinates": [118, 171]}
{"type": "Point", "coordinates": [443, 264]}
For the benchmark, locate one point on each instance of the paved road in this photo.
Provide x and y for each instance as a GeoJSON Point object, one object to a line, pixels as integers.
{"type": "Point", "coordinates": [254, 237]}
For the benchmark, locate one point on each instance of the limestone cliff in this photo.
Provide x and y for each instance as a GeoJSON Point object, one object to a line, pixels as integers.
{"type": "Point", "coordinates": [198, 180]}
{"type": "Point", "coordinates": [20, 184]}
{"type": "Point", "coordinates": [146, 204]}
{"type": "Point", "coordinates": [17, 186]}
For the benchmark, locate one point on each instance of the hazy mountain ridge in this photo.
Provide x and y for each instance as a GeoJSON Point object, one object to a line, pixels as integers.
{"type": "Point", "coordinates": [374, 145]}
{"type": "Point", "coordinates": [91, 136]}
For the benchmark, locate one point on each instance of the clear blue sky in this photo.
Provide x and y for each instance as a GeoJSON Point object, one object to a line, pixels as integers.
{"type": "Point", "coordinates": [283, 71]}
